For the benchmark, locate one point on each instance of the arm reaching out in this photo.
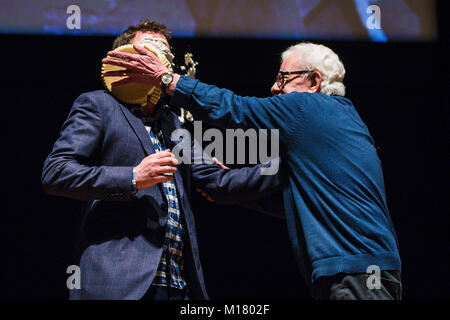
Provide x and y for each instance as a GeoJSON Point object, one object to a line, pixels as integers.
{"type": "Point", "coordinates": [219, 107]}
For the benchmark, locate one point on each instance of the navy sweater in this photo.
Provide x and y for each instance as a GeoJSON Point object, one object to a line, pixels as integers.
{"type": "Point", "coordinates": [335, 202]}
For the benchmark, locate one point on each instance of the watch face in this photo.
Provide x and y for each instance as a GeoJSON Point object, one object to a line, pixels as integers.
{"type": "Point", "coordinates": [166, 78]}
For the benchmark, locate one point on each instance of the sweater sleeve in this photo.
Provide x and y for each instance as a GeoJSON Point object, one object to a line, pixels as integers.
{"type": "Point", "coordinates": [223, 108]}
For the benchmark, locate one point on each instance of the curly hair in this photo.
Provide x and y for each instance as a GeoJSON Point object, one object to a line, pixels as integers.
{"type": "Point", "coordinates": [145, 25]}
{"type": "Point", "coordinates": [321, 58]}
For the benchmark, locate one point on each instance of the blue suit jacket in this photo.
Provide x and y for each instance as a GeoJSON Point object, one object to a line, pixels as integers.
{"type": "Point", "coordinates": [121, 236]}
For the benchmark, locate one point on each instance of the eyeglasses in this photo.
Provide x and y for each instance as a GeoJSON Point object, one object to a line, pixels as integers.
{"type": "Point", "coordinates": [280, 79]}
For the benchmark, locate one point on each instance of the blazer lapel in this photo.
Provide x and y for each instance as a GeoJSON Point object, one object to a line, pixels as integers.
{"type": "Point", "coordinates": [139, 128]}
{"type": "Point", "coordinates": [168, 125]}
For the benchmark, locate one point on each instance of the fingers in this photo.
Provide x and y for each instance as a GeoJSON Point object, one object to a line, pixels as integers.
{"type": "Point", "coordinates": [165, 169]}
{"type": "Point", "coordinates": [144, 50]}
{"type": "Point", "coordinates": [220, 164]}
{"type": "Point", "coordinates": [163, 154]}
{"type": "Point", "coordinates": [121, 63]}
{"type": "Point", "coordinates": [123, 55]}
{"type": "Point", "coordinates": [162, 178]}
{"type": "Point", "coordinates": [167, 161]}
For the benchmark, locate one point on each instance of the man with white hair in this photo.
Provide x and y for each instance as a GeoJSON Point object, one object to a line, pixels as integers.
{"type": "Point", "coordinates": [338, 220]}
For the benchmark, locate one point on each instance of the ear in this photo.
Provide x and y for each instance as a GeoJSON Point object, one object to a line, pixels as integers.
{"type": "Point", "coordinates": [316, 79]}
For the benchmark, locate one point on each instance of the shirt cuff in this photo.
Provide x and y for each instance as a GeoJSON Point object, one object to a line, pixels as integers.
{"type": "Point", "coordinates": [182, 94]}
{"type": "Point", "coordinates": [133, 182]}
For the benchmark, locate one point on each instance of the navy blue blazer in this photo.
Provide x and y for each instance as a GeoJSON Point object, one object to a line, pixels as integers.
{"type": "Point", "coordinates": [121, 237]}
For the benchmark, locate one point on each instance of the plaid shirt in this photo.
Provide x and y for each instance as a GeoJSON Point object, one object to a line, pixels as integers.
{"type": "Point", "coordinates": [171, 263]}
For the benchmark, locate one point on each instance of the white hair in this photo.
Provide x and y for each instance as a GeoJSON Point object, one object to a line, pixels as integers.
{"type": "Point", "coordinates": [321, 58]}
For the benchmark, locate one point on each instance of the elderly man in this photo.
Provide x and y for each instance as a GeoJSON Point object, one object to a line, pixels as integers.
{"type": "Point", "coordinates": [138, 237]}
{"type": "Point", "coordinates": [335, 202]}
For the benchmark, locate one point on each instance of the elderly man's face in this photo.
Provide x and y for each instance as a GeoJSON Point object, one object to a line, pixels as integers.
{"type": "Point", "coordinates": [296, 82]}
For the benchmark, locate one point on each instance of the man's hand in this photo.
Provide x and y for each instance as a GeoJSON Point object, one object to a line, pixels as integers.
{"type": "Point", "coordinates": [220, 164]}
{"type": "Point", "coordinates": [153, 168]}
{"type": "Point", "coordinates": [144, 67]}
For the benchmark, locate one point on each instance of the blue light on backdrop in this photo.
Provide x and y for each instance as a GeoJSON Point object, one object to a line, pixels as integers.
{"type": "Point", "coordinates": [375, 20]}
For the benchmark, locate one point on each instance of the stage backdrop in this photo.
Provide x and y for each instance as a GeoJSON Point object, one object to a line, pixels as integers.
{"type": "Point", "coordinates": [376, 20]}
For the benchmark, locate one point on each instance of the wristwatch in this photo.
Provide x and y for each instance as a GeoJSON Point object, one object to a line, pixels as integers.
{"type": "Point", "coordinates": [166, 80]}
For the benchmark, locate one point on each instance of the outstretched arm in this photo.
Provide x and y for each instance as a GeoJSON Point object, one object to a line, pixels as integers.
{"type": "Point", "coordinates": [219, 107]}
{"type": "Point", "coordinates": [234, 186]}
{"type": "Point", "coordinates": [230, 186]}
{"type": "Point", "coordinates": [271, 205]}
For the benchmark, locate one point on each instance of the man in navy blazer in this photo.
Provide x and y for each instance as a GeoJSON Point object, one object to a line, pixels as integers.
{"type": "Point", "coordinates": [105, 157]}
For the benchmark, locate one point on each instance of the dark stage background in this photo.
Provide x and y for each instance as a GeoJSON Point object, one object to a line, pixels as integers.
{"type": "Point", "coordinates": [400, 90]}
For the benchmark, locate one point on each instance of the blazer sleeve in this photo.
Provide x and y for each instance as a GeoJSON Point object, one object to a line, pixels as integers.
{"type": "Point", "coordinates": [272, 205]}
{"type": "Point", "coordinates": [71, 169]}
{"type": "Point", "coordinates": [234, 185]}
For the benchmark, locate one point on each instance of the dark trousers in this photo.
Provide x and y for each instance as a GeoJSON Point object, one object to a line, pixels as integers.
{"type": "Point", "coordinates": [165, 293]}
{"type": "Point", "coordinates": [354, 287]}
